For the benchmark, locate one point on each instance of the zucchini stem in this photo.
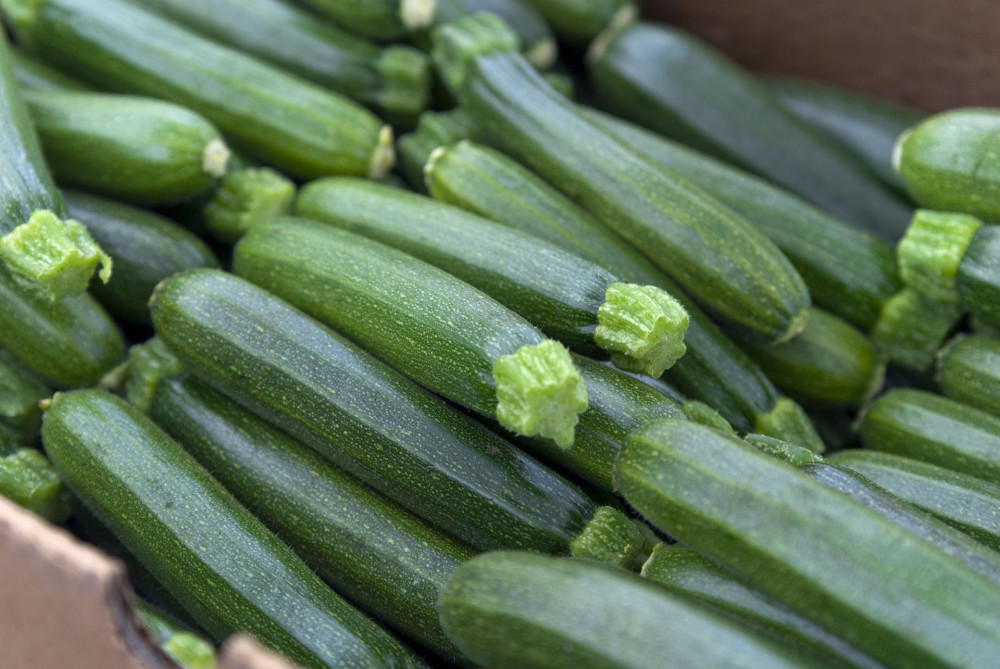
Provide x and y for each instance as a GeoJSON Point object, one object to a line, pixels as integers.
{"type": "Point", "coordinates": [610, 537]}
{"type": "Point", "coordinates": [931, 251]}
{"type": "Point", "coordinates": [417, 14]}
{"type": "Point", "coordinates": [643, 328]}
{"type": "Point", "coordinates": [911, 328]}
{"type": "Point", "coordinates": [782, 450]}
{"type": "Point", "coordinates": [543, 53]}
{"type": "Point", "coordinates": [244, 199]}
{"type": "Point", "coordinates": [30, 481]}
{"type": "Point", "coordinates": [215, 158]}
{"type": "Point", "coordinates": [788, 422]}
{"type": "Point", "coordinates": [384, 156]}
{"type": "Point", "coordinates": [405, 83]}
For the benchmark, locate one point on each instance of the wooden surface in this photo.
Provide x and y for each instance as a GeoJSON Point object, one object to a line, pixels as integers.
{"type": "Point", "coordinates": [933, 54]}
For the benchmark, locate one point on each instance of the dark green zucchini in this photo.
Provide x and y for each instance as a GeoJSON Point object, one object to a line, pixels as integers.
{"type": "Point", "coordinates": [366, 418]}
{"type": "Point", "coordinates": [969, 371]}
{"type": "Point", "coordinates": [672, 82]}
{"type": "Point", "coordinates": [147, 249]}
{"type": "Point", "coordinates": [683, 571]}
{"type": "Point", "coordinates": [228, 571]}
{"type": "Point", "coordinates": [281, 119]}
{"type": "Point", "coordinates": [829, 363]}
{"type": "Point", "coordinates": [507, 609]}
{"type": "Point", "coordinates": [20, 392]}
{"type": "Point", "coordinates": [538, 44]}
{"type": "Point", "coordinates": [443, 333]}
{"type": "Point", "coordinates": [715, 254]}
{"type": "Point", "coordinates": [965, 502]}
{"type": "Point", "coordinates": [577, 22]}
{"type": "Point", "coordinates": [183, 646]}
{"type": "Point", "coordinates": [32, 74]}
{"type": "Point", "coordinates": [585, 306]}
{"type": "Point", "coordinates": [371, 551]}
{"type": "Point", "coordinates": [394, 79]}
{"type": "Point", "coordinates": [28, 480]}
{"type": "Point", "coordinates": [377, 19]}
{"type": "Point", "coordinates": [979, 275]}
{"type": "Point", "coordinates": [822, 554]}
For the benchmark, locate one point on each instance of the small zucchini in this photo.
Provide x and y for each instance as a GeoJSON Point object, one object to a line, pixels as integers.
{"type": "Point", "coordinates": [507, 609]}
{"type": "Point", "coordinates": [28, 480]}
{"type": "Point", "coordinates": [969, 371]}
{"type": "Point", "coordinates": [32, 74]}
{"type": "Point", "coordinates": [20, 392]}
{"type": "Point", "coordinates": [444, 334]}
{"type": "Point", "coordinates": [147, 249]}
{"type": "Point", "coordinates": [377, 19]}
{"type": "Point", "coordinates": [228, 571]}
{"type": "Point", "coordinates": [294, 125]}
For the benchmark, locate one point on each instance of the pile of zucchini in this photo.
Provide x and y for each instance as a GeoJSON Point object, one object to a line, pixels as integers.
{"type": "Point", "coordinates": [345, 325]}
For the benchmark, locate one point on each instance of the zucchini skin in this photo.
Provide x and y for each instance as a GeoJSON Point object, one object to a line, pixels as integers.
{"type": "Point", "coordinates": [967, 503]}
{"type": "Point", "coordinates": [280, 119]}
{"type": "Point", "coordinates": [656, 76]}
{"type": "Point", "coordinates": [363, 416]}
{"type": "Point", "coordinates": [227, 570]}
{"type": "Point", "coordinates": [714, 254]}
{"type": "Point", "coordinates": [978, 278]}
{"type": "Point", "coordinates": [147, 248]}
{"type": "Point", "coordinates": [368, 549]}
{"type": "Point", "coordinates": [507, 609]}
{"type": "Point", "coordinates": [71, 343]}
{"type": "Point", "coordinates": [856, 573]}
{"type": "Point", "coordinates": [377, 19]}
{"type": "Point", "coordinates": [849, 272]}
{"type": "Point", "coordinates": [32, 74]}
{"type": "Point", "coordinates": [969, 371]}
{"type": "Point", "coordinates": [20, 392]}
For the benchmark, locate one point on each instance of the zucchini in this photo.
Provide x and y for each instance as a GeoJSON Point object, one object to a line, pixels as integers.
{"type": "Point", "coordinates": [395, 79]}
{"type": "Point", "coordinates": [829, 363]}
{"type": "Point", "coordinates": [444, 334]}
{"type": "Point", "coordinates": [911, 328]}
{"type": "Point", "coordinates": [8, 442]}
{"type": "Point", "coordinates": [868, 127]}
{"type": "Point", "coordinates": [979, 275]}
{"type": "Point", "coordinates": [377, 19]}
{"type": "Point", "coordinates": [682, 571]}
{"type": "Point", "coordinates": [713, 253]}
{"type": "Point", "coordinates": [28, 480]}
{"type": "Point", "coordinates": [951, 162]}
{"type": "Point", "coordinates": [147, 363]}
{"type": "Point", "coordinates": [297, 126]}
{"type": "Point", "coordinates": [967, 503]}
{"type": "Point", "coordinates": [35, 75]}
{"type": "Point", "coordinates": [713, 370]}
{"type": "Point", "coordinates": [585, 306]}
{"type": "Point", "coordinates": [434, 130]}
{"type": "Point", "coordinates": [228, 571]}
{"type": "Point", "coordinates": [72, 342]}
{"type": "Point", "coordinates": [822, 554]}
{"type": "Point", "coordinates": [657, 76]}
{"type": "Point", "coordinates": [782, 450]}
{"type": "Point", "coordinates": [508, 609]}
{"type": "Point", "coordinates": [849, 272]}
{"type": "Point", "coordinates": [245, 198]}
{"type": "Point", "coordinates": [538, 44]}
{"type": "Point", "coordinates": [20, 392]}
{"type": "Point", "coordinates": [183, 646]}
{"type": "Point", "coordinates": [147, 249]}
{"type": "Point", "coordinates": [969, 371]}
{"type": "Point", "coordinates": [577, 22]}
{"type": "Point", "coordinates": [366, 418]}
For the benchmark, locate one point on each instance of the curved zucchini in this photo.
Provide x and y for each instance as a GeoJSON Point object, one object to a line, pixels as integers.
{"type": "Point", "coordinates": [28, 480]}
{"type": "Point", "coordinates": [967, 503]}
{"type": "Point", "coordinates": [585, 306]}
{"type": "Point", "coordinates": [394, 79]}
{"type": "Point", "coordinates": [370, 550]}
{"type": "Point", "coordinates": [715, 254]}
{"type": "Point", "coordinates": [509, 609]}
{"type": "Point", "coordinates": [577, 22]}
{"type": "Point", "coordinates": [444, 334]}
{"type": "Point", "coordinates": [824, 555]}
{"type": "Point", "coordinates": [227, 570]}
{"type": "Point", "coordinates": [32, 74]}
{"type": "Point", "coordinates": [245, 198]}
{"type": "Point", "coordinates": [281, 119]}
{"type": "Point", "coordinates": [377, 19]}
{"type": "Point", "coordinates": [147, 249]}
{"type": "Point", "coordinates": [538, 44]}
{"type": "Point", "coordinates": [672, 82]}
{"type": "Point", "coordinates": [978, 279]}
{"type": "Point", "coordinates": [20, 392]}
{"type": "Point", "coordinates": [365, 417]}
{"type": "Point", "coordinates": [969, 371]}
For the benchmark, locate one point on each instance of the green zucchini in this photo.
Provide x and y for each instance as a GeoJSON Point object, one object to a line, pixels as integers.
{"type": "Point", "coordinates": [911, 328]}
{"type": "Point", "coordinates": [538, 44]}
{"type": "Point", "coordinates": [299, 127]}
{"type": "Point", "coordinates": [672, 82]}
{"type": "Point", "coordinates": [184, 647]}
{"type": "Point", "coordinates": [508, 609]}
{"type": "Point", "coordinates": [20, 392]}
{"type": "Point", "coordinates": [793, 454]}
{"type": "Point", "coordinates": [227, 570]}
{"type": "Point", "coordinates": [72, 342]}
{"type": "Point", "coordinates": [32, 74]}
{"type": "Point", "coordinates": [368, 549]}
{"type": "Point", "coordinates": [28, 480]}
{"type": "Point", "coordinates": [434, 130]}
{"type": "Point", "coordinates": [585, 306]}
{"type": "Point", "coordinates": [685, 572]}
{"type": "Point", "coordinates": [366, 418]}
{"type": "Point", "coordinates": [245, 198]}
{"type": "Point", "coordinates": [394, 79]}
{"type": "Point", "coordinates": [377, 19]}
{"type": "Point", "coordinates": [829, 363]}
{"type": "Point", "coordinates": [822, 554]}
{"type": "Point", "coordinates": [868, 127]}
{"type": "Point", "coordinates": [147, 363]}
{"type": "Point", "coordinates": [967, 503]}
{"type": "Point", "coordinates": [849, 272]}
{"type": "Point", "coordinates": [969, 371]}
{"type": "Point", "coordinates": [443, 333]}
{"type": "Point", "coordinates": [8, 442]}
{"type": "Point", "coordinates": [979, 275]}
{"type": "Point", "coordinates": [951, 162]}
{"type": "Point", "coordinates": [713, 370]}
{"type": "Point", "coordinates": [577, 22]}
{"type": "Point", "coordinates": [147, 249]}
{"type": "Point", "coordinates": [716, 255]}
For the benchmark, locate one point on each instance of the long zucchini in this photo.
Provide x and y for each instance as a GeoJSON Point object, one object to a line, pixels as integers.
{"type": "Point", "coordinates": [969, 371]}
{"type": "Point", "coordinates": [585, 306]}
{"type": "Point", "coordinates": [281, 119]}
{"type": "Point", "coordinates": [20, 392]}
{"type": "Point", "coordinates": [366, 418]}
{"type": "Point", "coordinates": [368, 549]}
{"type": "Point", "coordinates": [716, 255]}
{"type": "Point", "coordinates": [822, 554]}
{"type": "Point", "coordinates": [672, 82]}
{"type": "Point", "coordinates": [444, 334]}
{"type": "Point", "coordinates": [228, 571]}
